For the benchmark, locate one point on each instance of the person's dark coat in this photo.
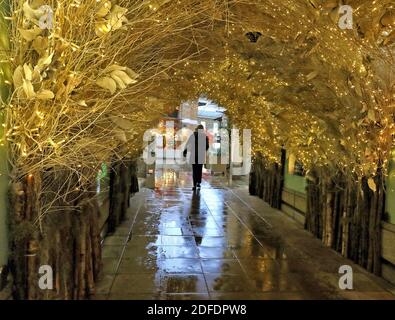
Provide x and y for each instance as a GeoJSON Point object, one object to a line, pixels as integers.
{"type": "Point", "coordinates": [197, 146]}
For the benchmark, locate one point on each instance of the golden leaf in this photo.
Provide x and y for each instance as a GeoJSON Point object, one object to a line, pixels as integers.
{"type": "Point", "coordinates": [120, 84]}
{"type": "Point", "coordinates": [45, 95]}
{"type": "Point", "coordinates": [116, 18]}
{"type": "Point", "coordinates": [36, 76]}
{"type": "Point", "coordinates": [107, 83]}
{"type": "Point", "coordinates": [104, 9]}
{"type": "Point", "coordinates": [123, 76]}
{"type": "Point", "coordinates": [27, 70]}
{"type": "Point", "coordinates": [120, 77]}
{"type": "Point", "coordinates": [18, 77]}
{"type": "Point", "coordinates": [120, 135]}
{"type": "Point", "coordinates": [40, 44]}
{"type": "Point", "coordinates": [82, 103]}
{"type": "Point", "coordinates": [30, 13]}
{"type": "Point", "coordinates": [372, 184]}
{"type": "Point", "coordinates": [114, 67]}
{"type": "Point", "coordinates": [131, 73]}
{"type": "Point", "coordinates": [44, 62]}
{"type": "Point", "coordinates": [101, 28]}
{"type": "Point", "coordinates": [30, 34]}
{"type": "Point", "coordinates": [28, 89]}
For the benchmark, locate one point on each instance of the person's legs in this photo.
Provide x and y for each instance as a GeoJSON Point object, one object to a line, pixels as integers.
{"type": "Point", "coordinates": [195, 174]}
{"type": "Point", "coordinates": [199, 173]}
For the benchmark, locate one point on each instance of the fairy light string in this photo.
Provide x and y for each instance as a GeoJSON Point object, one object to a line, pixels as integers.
{"type": "Point", "coordinates": [109, 70]}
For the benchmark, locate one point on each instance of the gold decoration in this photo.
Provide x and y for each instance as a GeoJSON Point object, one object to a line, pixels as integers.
{"type": "Point", "coordinates": [109, 70]}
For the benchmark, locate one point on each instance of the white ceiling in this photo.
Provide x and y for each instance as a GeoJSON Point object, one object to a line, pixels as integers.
{"type": "Point", "coordinates": [209, 109]}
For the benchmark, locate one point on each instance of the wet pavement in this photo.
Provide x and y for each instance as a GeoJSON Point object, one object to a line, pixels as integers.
{"type": "Point", "coordinates": [220, 243]}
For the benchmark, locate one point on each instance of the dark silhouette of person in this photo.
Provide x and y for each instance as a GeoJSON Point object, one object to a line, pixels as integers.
{"type": "Point", "coordinates": [197, 147]}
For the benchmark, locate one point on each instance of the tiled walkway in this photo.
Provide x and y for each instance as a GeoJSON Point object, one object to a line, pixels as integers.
{"type": "Point", "coordinates": [220, 243]}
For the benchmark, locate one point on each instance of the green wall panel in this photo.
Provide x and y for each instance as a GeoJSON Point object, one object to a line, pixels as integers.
{"type": "Point", "coordinates": [390, 206]}
{"type": "Point", "coordinates": [294, 182]}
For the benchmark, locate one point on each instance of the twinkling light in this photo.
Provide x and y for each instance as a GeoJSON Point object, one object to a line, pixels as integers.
{"type": "Point", "coordinates": [323, 93]}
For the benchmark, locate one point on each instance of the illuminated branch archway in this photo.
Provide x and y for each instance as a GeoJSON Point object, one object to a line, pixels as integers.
{"type": "Point", "coordinates": [87, 85]}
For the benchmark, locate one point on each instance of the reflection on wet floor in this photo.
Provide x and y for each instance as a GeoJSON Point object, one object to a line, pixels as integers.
{"type": "Point", "coordinates": [210, 244]}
